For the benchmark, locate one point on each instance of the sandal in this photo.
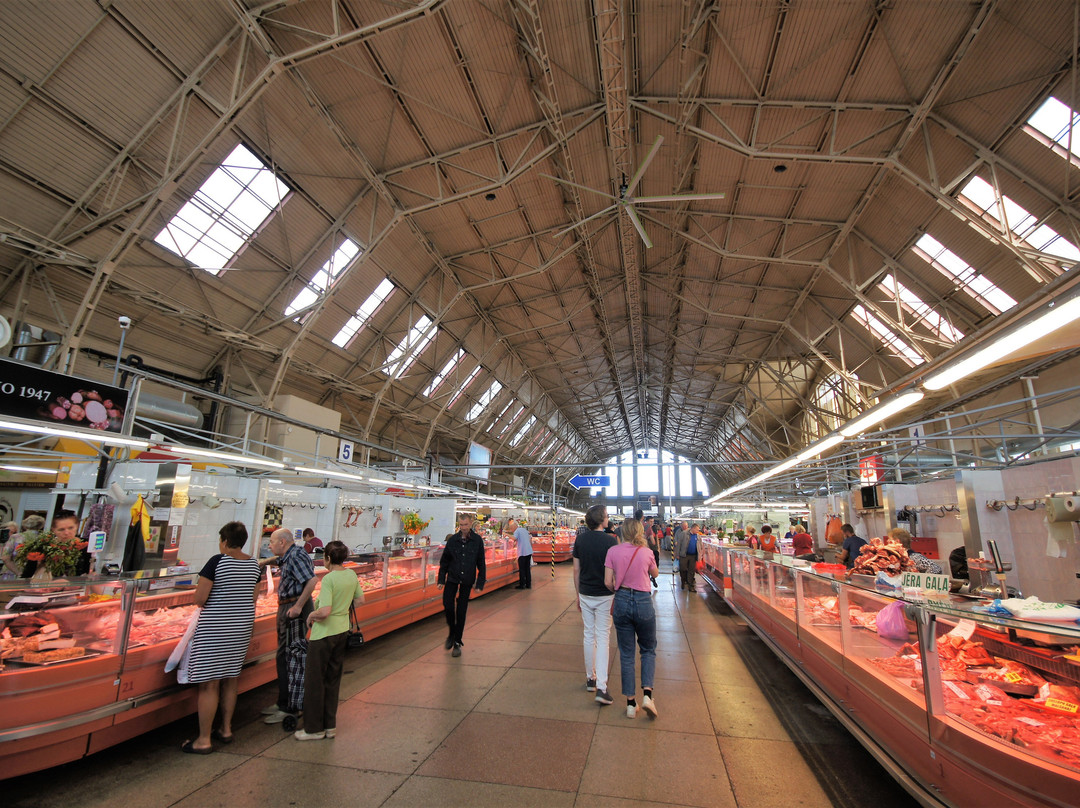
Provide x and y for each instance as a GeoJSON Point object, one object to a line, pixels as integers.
{"type": "Point", "coordinates": [188, 747]}
{"type": "Point", "coordinates": [220, 737]}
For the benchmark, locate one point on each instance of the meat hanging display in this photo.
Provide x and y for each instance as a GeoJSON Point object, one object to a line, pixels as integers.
{"type": "Point", "coordinates": [877, 556]}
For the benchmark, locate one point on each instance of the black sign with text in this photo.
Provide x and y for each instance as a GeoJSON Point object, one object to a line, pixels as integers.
{"type": "Point", "coordinates": [41, 395]}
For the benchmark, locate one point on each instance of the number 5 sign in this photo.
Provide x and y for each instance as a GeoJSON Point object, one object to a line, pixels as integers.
{"type": "Point", "coordinates": [345, 451]}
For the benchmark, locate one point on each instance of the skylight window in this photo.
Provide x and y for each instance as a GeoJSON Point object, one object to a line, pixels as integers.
{"type": "Point", "coordinates": [483, 402]}
{"type": "Point", "coordinates": [980, 195]}
{"type": "Point", "coordinates": [448, 368]}
{"type": "Point", "coordinates": [325, 277]}
{"type": "Point", "coordinates": [886, 336]}
{"type": "Point", "coordinates": [502, 412]}
{"type": "Point", "coordinates": [1057, 123]}
{"type": "Point", "coordinates": [212, 227]}
{"type": "Point", "coordinates": [465, 386]}
{"type": "Point", "coordinates": [401, 358]}
{"type": "Point", "coordinates": [511, 422]}
{"type": "Point", "coordinates": [955, 268]}
{"type": "Point", "coordinates": [523, 431]}
{"type": "Point", "coordinates": [364, 313]}
{"type": "Point", "coordinates": [913, 305]}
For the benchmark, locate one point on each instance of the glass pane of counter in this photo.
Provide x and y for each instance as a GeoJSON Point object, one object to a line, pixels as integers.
{"type": "Point", "coordinates": [819, 609]}
{"type": "Point", "coordinates": [371, 569]}
{"type": "Point", "coordinates": [782, 589]}
{"type": "Point", "coordinates": [405, 572]}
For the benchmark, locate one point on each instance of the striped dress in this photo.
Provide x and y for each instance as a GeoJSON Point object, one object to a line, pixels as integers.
{"type": "Point", "coordinates": [220, 643]}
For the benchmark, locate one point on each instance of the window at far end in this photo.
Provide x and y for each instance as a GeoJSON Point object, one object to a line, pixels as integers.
{"type": "Point", "coordinates": [226, 211]}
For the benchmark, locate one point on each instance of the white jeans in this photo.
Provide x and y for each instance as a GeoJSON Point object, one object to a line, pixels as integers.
{"type": "Point", "coordinates": [596, 615]}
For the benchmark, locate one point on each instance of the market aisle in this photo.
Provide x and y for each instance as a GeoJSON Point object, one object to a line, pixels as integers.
{"type": "Point", "coordinates": [510, 723]}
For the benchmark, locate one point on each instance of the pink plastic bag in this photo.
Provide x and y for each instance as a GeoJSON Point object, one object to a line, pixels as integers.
{"type": "Point", "coordinates": [891, 623]}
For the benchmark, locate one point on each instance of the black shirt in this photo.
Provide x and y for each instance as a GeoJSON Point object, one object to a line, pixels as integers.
{"type": "Point", "coordinates": [463, 561]}
{"type": "Point", "coordinates": [590, 550]}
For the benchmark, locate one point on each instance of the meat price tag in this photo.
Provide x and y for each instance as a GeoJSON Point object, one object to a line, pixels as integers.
{"type": "Point", "coordinates": [1024, 719]}
{"type": "Point", "coordinates": [1013, 676]}
{"type": "Point", "coordinates": [956, 690]}
{"type": "Point", "coordinates": [964, 629]}
{"type": "Point", "coordinates": [1061, 706]}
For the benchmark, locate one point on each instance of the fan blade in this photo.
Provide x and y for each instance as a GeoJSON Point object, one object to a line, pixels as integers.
{"type": "Point", "coordinates": [581, 187]}
{"type": "Point", "coordinates": [678, 198]}
{"type": "Point", "coordinates": [636, 220]}
{"type": "Point", "coordinates": [634, 180]}
{"type": "Point", "coordinates": [586, 220]}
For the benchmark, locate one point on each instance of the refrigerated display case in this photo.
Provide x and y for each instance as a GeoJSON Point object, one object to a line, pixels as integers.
{"type": "Point", "coordinates": [559, 544]}
{"type": "Point", "coordinates": [961, 706]}
{"type": "Point", "coordinates": [108, 639]}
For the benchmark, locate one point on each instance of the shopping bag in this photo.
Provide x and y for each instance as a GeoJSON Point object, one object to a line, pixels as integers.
{"type": "Point", "coordinates": [182, 645]}
{"type": "Point", "coordinates": [356, 636]}
{"type": "Point", "coordinates": [891, 623]}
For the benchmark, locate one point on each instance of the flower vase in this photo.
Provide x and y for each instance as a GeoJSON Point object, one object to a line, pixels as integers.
{"type": "Point", "coordinates": [42, 575]}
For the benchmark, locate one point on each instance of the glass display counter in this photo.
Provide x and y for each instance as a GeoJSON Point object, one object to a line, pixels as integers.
{"type": "Point", "coordinates": [959, 704]}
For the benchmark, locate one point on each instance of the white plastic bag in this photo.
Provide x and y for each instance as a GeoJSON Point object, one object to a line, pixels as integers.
{"type": "Point", "coordinates": [182, 645]}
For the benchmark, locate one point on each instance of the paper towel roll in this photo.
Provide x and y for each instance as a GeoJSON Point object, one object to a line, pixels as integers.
{"type": "Point", "coordinates": [1058, 511]}
{"type": "Point", "coordinates": [1072, 504]}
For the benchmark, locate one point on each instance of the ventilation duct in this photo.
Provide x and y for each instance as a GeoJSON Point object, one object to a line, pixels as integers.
{"type": "Point", "coordinates": [34, 345]}
{"type": "Point", "coordinates": [165, 410]}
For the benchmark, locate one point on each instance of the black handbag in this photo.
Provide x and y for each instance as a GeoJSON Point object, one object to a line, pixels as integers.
{"type": "Point", "coordinates": [356, 636]}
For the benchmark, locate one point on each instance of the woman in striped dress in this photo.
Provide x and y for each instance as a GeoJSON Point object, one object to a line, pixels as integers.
{"type": "Point", "coordinates": [227, 590]}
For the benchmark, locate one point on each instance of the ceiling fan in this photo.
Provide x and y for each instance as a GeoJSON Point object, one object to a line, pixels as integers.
{"type": "Point", "coordinates": [626, 199]}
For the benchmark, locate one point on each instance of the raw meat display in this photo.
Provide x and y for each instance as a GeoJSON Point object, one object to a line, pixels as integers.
{"type": "Point", "coordinates": [877, 556]}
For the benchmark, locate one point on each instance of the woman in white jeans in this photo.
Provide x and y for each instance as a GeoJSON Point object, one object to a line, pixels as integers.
{"type": "Point", "coordinates": [594, 599]}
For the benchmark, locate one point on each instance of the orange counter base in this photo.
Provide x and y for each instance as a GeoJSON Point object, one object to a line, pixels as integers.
{"type": "Point", "coordinates": [56, 715]}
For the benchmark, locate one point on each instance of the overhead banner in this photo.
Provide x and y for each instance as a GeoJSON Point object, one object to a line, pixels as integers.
{"type": "Point", "coordinates": [56, 399]}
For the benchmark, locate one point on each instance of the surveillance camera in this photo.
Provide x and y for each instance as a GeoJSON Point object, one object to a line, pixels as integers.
{"type": "Point", "coordinates": [125, 322]}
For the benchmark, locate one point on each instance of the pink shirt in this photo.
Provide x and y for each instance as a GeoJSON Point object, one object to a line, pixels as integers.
{"type": "Point", "coordinates": [635, 576]}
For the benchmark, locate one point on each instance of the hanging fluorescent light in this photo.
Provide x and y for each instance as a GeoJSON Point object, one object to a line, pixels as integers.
{"type": "Point", "coordinates": [1056, 315]}
{"type": "Point", "coordinates": [338, 475]}
{"type": "Point", "coordinates": [822, 445]}
{"type": "Point", "coordinates": [875, 415]}
{"type": "Point", "coordinates": [95, 436]}
{"type": "Point", "coordinates": [225, 457]}
{"type": "Point", "coordinates": [772, 506]}
{"type": "Point", "coordinates": [29, 469]}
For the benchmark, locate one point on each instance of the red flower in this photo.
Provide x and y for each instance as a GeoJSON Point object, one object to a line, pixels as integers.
{"type": "Point", "coordinates": [35, 556]}
{"type": "Point", "coordinates": [81, 545]}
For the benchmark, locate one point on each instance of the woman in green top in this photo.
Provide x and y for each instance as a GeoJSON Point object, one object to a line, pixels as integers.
{"type": "Point", "coordinates": [329, 625]}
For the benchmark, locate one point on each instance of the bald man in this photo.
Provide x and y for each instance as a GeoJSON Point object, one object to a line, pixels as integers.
{"type": "Point", "coordinates": [294, 605]}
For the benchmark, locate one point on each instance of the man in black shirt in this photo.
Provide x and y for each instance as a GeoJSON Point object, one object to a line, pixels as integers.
{"type": "Point", "coordinates": [594, 599]}
{"type": "Point", "coordinates": [461, 567]}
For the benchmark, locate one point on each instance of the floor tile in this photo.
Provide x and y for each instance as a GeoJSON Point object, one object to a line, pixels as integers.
{"type": "Point", "coordinates": [542, 694]}
{"type": "Point", "coordinates": [500, 628]}
{"type": "Point", "coordinates": [492, 748]}
{"type": "Point", "coordinates": [422, 684]}
{"type": "Point", "coordinates": [477, 651]}
{"type": "Point", "coordinates": [722, 669]}
{"type": "Point", "coordinates": [770, 774]}
{"type": "Point", "coordinates": [681, 707]}
{"type": "Point", "coordinates": [444, 793]}
{"type": "Point", "coordinates": [626, 762]}
{"type": "Point", "coordinates": [566, 634]}
{"type": "Point", "coordinates": [281, 783]}
{"type": "Point", "coordinates": [742, 712]}
{"type": "Point", "coordinates": [557, 656]}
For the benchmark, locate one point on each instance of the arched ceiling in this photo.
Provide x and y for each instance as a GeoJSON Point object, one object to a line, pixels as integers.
{"type": "Point", "coordinates": [474, 150]}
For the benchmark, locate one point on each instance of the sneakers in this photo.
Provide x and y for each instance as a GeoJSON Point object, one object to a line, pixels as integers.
{"type": "Point", "coordinates": [590, 685]}
{"type": "Point", "coordinates": [631, 711]}
{"type": "Point", "coordinates": [649, 706]}
{"type": "Point", "coordinates": [273, 708]}
{"type": "Point", "coordinates": [449, 642]}
{"type": "Point", "coordinates": [301, 735]}
{"type": "Point", "coordinates": [457, 650]}
{"type": "Point", "coordinates": [331, 732]}
{"type": "Point", "coordinates": [276, 717]}
{"type": "Point", "coordinates": [603, 697]}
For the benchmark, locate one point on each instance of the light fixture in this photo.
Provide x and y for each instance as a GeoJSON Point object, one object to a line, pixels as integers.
{"type": "Point", "coordinates": [822, 445]}
{"type": "Point", "coordinates": [226, 457]}
{"type": "Point", "coordinates": [1056, 315]}
{"type": "Point", "coordinates": [876, 414]}
{"type": "Point", "coordinates": [339, 475]}
{"type": "Point", "coordinates": [760, 506]}
{"type": "Point", "coordinates": [95, 436]}
{"type": "Point", "coordinates": [29, 469]}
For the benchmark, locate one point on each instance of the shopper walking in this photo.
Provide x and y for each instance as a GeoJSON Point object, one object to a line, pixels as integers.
{"type": "Point", "coordinates": [461, 567]}
{"type": "Point", "coordinates": [687, 550]}
{"type": "Point", "coordinates": [226, 591]}
{"type": "Point", "coordinates": [594, 599]}
{"type": "Point", "coordinates": [525, 554]}
{"type": "Point", "coordinates": [628, 568]}
{"type": "Point", "coordinates": [329, 624]}
{"type": "Point", "coordinates": [653, 543]}
{"type": "Point", "coordinates": [294, 605]}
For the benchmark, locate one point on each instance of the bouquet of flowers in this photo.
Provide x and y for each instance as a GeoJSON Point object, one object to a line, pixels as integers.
{"type": "Point", "coordinates": [412, 523]}
{"type": "Point", "coordinates": [58, 556]}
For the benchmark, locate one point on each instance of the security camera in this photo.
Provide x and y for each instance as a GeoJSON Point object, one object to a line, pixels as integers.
{"type": "Point", "coordinates": [125, 322]}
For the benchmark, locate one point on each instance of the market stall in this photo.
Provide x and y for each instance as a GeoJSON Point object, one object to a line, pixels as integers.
{"type": "Point", "coordinates": [956, 702]}
{"type": "Point", "coordinates": [558, 543]}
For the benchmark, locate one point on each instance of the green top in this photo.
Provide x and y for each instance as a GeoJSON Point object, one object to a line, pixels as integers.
{"type": "Point", "coordinates": [338, 590]}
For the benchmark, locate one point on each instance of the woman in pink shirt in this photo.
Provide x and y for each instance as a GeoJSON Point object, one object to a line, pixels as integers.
{"type": "Point", "coordinates": [628, 568]}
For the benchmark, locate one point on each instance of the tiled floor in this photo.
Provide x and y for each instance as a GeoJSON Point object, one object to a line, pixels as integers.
{"type": "Point", "coordinates": [510, 724]}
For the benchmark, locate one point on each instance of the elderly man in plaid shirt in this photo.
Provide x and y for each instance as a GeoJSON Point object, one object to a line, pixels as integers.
{"type": "Point", "coordinates": [294, 605]}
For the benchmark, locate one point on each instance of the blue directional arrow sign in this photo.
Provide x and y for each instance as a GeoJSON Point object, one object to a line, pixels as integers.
{"type": "Point", "coordinates": [580, 481]}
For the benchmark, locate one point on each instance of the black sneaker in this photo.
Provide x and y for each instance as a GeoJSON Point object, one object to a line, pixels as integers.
{"type": "Point", "coordinates": [590, 685]}
{"type": "Point", "coordinates": [457, 650]}
{"type": "Point", "coordinates": [449, 642]}
{"type": "Point", "coordinates": [603, 697]}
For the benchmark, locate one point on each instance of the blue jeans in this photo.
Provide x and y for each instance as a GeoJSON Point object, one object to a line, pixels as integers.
{"type": "Point", "coordinates": [633, 615]}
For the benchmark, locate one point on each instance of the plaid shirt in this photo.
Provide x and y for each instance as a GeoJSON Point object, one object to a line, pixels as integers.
{"type": "Point", "coordinates": [296, 571]}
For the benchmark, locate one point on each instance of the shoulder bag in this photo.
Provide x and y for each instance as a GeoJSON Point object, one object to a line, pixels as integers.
{"type": "Point", "coordinates": [356, 636]}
